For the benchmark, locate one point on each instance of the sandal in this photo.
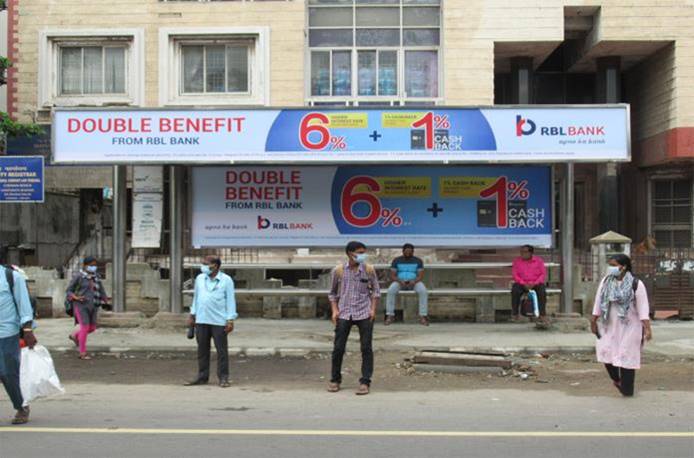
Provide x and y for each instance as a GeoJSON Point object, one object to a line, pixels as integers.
{"type": "Point", "coordinates": [363, 390]}
{"type": "Point", "coordinates": [85, 357]}
{"type": "Point", "coordinates": [22, 417]}
{"type": "Point", "coordinates": [333, 387]}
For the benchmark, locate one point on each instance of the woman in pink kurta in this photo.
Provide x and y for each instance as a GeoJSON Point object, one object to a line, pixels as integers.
{"type": "Point", "coordinates": [621, 323]}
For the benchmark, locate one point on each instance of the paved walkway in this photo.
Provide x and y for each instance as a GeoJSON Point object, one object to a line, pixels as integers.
{"type": "Point", "coordinates": [297, 337]}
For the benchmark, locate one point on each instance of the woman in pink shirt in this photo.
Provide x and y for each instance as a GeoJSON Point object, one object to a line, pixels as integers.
{"type": "Point", "coordinates": [621, 323]}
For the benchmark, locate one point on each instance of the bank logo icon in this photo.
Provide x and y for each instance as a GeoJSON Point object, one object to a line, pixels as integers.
{"type": "Point", "coordinates": [524, 126]}
{"type": "Point", "coordinates": [263, 223]}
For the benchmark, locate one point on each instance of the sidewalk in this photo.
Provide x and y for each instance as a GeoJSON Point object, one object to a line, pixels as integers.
{"type": "Point", "coordinates": [256, 337]}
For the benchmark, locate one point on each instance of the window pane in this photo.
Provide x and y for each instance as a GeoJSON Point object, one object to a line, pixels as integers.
{"type": "Point", "coordinates": [114, 70]}
{"type": "Point", "coordinates": [330, 17]}
{"type": "Point", "coordinates": [367, 72]}
{"type": "Point", "coordinates": [682, 239]}
{"type": "Point", "coordinates": [237, 69]}
{"type": "Point", "coordinates": [682, 189]}
{"type": "Point", "coordinates": [420, 16]}
{"type": "Point", "coordinates": [378, 37]}
{"type": "Point", "coordinates": [681, 214]}
{"type": "Point", "coordinates": [421, 37]}
{"type": "Point", "coordinates": [422, 2]}
{"type": "Point", "coordinates": [387, 73]}
{"type": "Point", "coordinates": [378, 17]}
{"type": "Point", "coordinates": [662, 215]}
{"type": "Point", "coordinates": [215, 67]}
{"type": "Point", "coordinates": [342, 73]}
{"type": "Point", "coordinates": [421, 74]}
{"type": "Point", "coordinates": [662, 189]}
{"type": "Point", "coordinates": [192, 69]}
{"type": "Point", "coordinates": [336, 37]}
{"type": "Point", "coordinates": [378, 2]}
{"type": "Point", "coordinates": [330, 2]}
{"type": "Point", "coordinates": [70, 70]}
{"type": "Point", "coordinates": [93, 70]}
{"type": "Point", "coordinates": [320, 73]}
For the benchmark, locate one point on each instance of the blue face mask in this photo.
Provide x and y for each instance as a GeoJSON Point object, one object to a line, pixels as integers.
{"type": "Point", "coordinates": [614, 271]}
{"type": "Point", "coordinates": [361, 258]}
{"type": "Point", "coordinates": [205, 269]}
{"type": "Point", "coordinates": [92, 269]}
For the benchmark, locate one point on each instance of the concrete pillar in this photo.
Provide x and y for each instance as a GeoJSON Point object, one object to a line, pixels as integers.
{"type": "Point", "coordinates": [176, 174]}
{"type": "Point", "coordinates": [522, 80]}
{"type": "Point", "coordinates": [120, 195]}
{"type": "Point", "coordinates": [608, 90]}
{"type": "Point", "coordinates": [567, 240]}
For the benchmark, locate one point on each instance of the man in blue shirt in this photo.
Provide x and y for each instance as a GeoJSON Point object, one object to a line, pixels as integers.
{"type": "Point", "coordinates": [212, 313]}
{"type": "Point", "coordinates": [406, 272]}
{"type": "Point", "coordinates": [16, 314]}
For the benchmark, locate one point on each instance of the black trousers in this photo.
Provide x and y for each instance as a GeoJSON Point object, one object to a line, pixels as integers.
{"type": "Point", "coordinates": [625, 378]}
{"type": "Point", "coordinates": [203, 334]}
{"type": "Point", "coordinates": [366, 331]}
{"type": "Point", "coordinates": [10, 356]}
{"type": "Point", "coordinates": [517, 291]}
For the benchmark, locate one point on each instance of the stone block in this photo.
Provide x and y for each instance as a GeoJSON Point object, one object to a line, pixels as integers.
{"type": "Point", "coordinates": [122, 320]}
{"type": "Point", "coordinates": [484, 310]}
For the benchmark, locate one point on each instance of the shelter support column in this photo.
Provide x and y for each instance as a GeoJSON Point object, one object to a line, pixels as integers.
{"type": "Point", "coordinates": [522, 80]}
{"type": "Point", "coordinates": [120, 255]}
{"type": "Point", "coordinates": [567, 240]}
{"type": "Point", "coordinates": [176, 177]}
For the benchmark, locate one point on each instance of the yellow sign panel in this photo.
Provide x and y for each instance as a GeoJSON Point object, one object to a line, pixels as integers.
{"type": "Point", "coordinates": [456, 187]}
{"type": "Point", "coordinates": [400, 119]}
{"type": "Point", "coordinates": [400, 187]}
{"type": "Point", "coordinates": [345, 120]}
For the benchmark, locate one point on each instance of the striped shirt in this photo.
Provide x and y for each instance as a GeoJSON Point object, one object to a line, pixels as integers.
{"type": "Point", "coordinates": [353, 292]}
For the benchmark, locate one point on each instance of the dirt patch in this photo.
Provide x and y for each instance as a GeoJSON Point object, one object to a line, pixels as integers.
{"type": "Point", "coordinates": [576, 374]}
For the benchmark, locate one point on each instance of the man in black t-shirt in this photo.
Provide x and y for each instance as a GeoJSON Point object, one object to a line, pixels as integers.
{"type": "Point", "coordinates": [407, 272]}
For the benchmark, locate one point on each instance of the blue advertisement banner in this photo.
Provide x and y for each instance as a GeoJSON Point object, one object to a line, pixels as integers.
{"type": "Point", "coordinates": [453, 206]}
{"type": "Point", "coordinates": [21, 179]}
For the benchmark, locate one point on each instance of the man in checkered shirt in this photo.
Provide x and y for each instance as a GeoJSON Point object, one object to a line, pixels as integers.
{"type": "Point", "coordinates": [354, 295]}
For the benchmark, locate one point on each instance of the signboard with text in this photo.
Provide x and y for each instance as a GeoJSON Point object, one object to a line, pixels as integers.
{"type": "Point", "coordinates": [381, 205]}
{"type": "Point", "coordinates": [316, 136]}
{"type": "Point", "coordinates": [21, 179]}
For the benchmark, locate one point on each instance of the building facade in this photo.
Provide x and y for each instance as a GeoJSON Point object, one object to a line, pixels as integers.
{"type": "Point", "coordinates": [154, 53]}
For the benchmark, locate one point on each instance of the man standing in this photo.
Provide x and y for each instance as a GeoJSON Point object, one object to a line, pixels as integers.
{"type": "Point", "coordinates": [212, 313]}
{"type": "Point", "coordinates": [15, 314]}
{"type": "Point", "coordinates": [406, 272]}
{"type": "Point", "coordinates": [354, 295]}
{"type": "Point", "coordinates": [529, 273]}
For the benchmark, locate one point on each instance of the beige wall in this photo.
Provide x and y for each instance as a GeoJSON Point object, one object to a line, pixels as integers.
{"type": "Point", "coordinates": [470, 29]}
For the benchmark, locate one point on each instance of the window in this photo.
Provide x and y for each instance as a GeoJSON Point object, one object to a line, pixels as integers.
{"type": "Point", "coordinates": [671, 212]}
{"type": "Point", "coordinates": [371, 50]}
{"type": "Point", "coordinates": [91, 67]}
{"type": "Point", "coordinates": [211, 66]}
{"type": "Point", "coordinates": [92, 70]}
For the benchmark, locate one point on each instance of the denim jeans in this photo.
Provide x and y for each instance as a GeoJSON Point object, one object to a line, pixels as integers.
{"type": "Point", "coordinates": [366, 329]}
{"type": "Point", "coordinates": [10, 356]}
{"type": "Point", "coordinates": [419, 288]}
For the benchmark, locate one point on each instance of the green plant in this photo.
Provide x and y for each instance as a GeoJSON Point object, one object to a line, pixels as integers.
{"type": "Point", "coordinates": [13, 128]}
{"type": "Point", "coordinates": [3, 5]}
{"type": "Point", "coordinates": [4, 61]}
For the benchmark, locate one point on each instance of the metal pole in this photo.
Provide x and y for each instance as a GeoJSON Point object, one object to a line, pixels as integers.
{"type": "Point", "coordinates": [567, 241]}
{"type": "Point", "coordinates": [120, 195]}
{"type": "Point", "coordinates": [176, 237]}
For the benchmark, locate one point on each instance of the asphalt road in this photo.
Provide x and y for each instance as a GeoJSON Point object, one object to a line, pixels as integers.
{"type": "Point", "coordinates": [115, 420]}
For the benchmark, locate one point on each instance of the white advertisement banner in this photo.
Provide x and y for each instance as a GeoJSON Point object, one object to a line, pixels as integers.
{"type": "Point", "coordinates": [319, 136]}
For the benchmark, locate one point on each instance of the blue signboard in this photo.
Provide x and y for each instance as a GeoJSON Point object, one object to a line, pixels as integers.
{"type": "Point", "coordinates": [21, 179]}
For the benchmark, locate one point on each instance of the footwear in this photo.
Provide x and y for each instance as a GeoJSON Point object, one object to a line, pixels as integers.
{"type": "Point", "coordinates": [22, 417]}
{"type": "Point", "coordinates": [390, 319]}
{"type": "Point", "coordinates": [515, 318]}
{"type": "Point", "coordinates": [333, 387]}
{"type": "Point", "coordinates": [196, 382]}
{"type": "Point", "coordinates": [85, 357]}
{"type": "Point", "coordinates": [74, 340]}
{"type": "Point", "coordinates": [424, 321]}
{"type": "Point", "coordinates": [224, 384]}
{"type": "Point", "coordinates": [363, 390]}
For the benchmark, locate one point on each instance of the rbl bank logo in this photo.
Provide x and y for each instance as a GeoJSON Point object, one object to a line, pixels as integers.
{"type": "Point", "coordinates": [520, 126]}
{"type": "Point", "coordinates": [263, 223]}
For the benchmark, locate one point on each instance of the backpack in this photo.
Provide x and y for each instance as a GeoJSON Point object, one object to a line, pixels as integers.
{"type": "Point", "coordinates": [340, 272]}
{"type": "Point", "coordinates": [9, 270]}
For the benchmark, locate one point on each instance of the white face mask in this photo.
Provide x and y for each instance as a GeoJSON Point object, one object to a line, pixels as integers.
{"type": "Point", "coordinates": [361, 258]}
{"type": "Point", "coordinates": [92, 269]}
{"type": "Point", "coordinates": [614, 271]}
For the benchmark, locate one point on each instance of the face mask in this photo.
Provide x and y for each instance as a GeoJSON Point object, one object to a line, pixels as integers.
{"type": "Point", "coordinates": [361, 258]}
{"type": "Point", "coordinates": [205, 269]}
{"type": "Point", "coordinates": [91, 269]}
{"type": "Point", "coordinates": [614, 271]}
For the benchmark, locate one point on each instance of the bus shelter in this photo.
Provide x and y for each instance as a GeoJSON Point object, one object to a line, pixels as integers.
{"type": "Point", "coordinates": [312, 177]}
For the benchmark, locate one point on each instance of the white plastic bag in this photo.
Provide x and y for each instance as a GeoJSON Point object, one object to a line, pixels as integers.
{"type": "Point", "coordinates": [37, 377]}
{"type": "Point", "coordinates": [533, 297]}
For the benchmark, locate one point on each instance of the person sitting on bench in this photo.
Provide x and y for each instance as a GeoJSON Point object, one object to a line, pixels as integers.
{"type": "Point", "coordinates": [529, 273]}
{"type": "Point", "coordinates": [407, 272]}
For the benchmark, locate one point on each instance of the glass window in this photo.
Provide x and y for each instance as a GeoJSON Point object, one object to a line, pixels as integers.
{"type": "Point", "coordinates": [421, 73]}
{"type": "Point", "coordinates": [88, 70]}
{"type": "Point", "coordinates": [214, 68]}
{"type": "Point", "coordinates": [371, 46]}
{"type": "Point", "coordinates": [672, 213]}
